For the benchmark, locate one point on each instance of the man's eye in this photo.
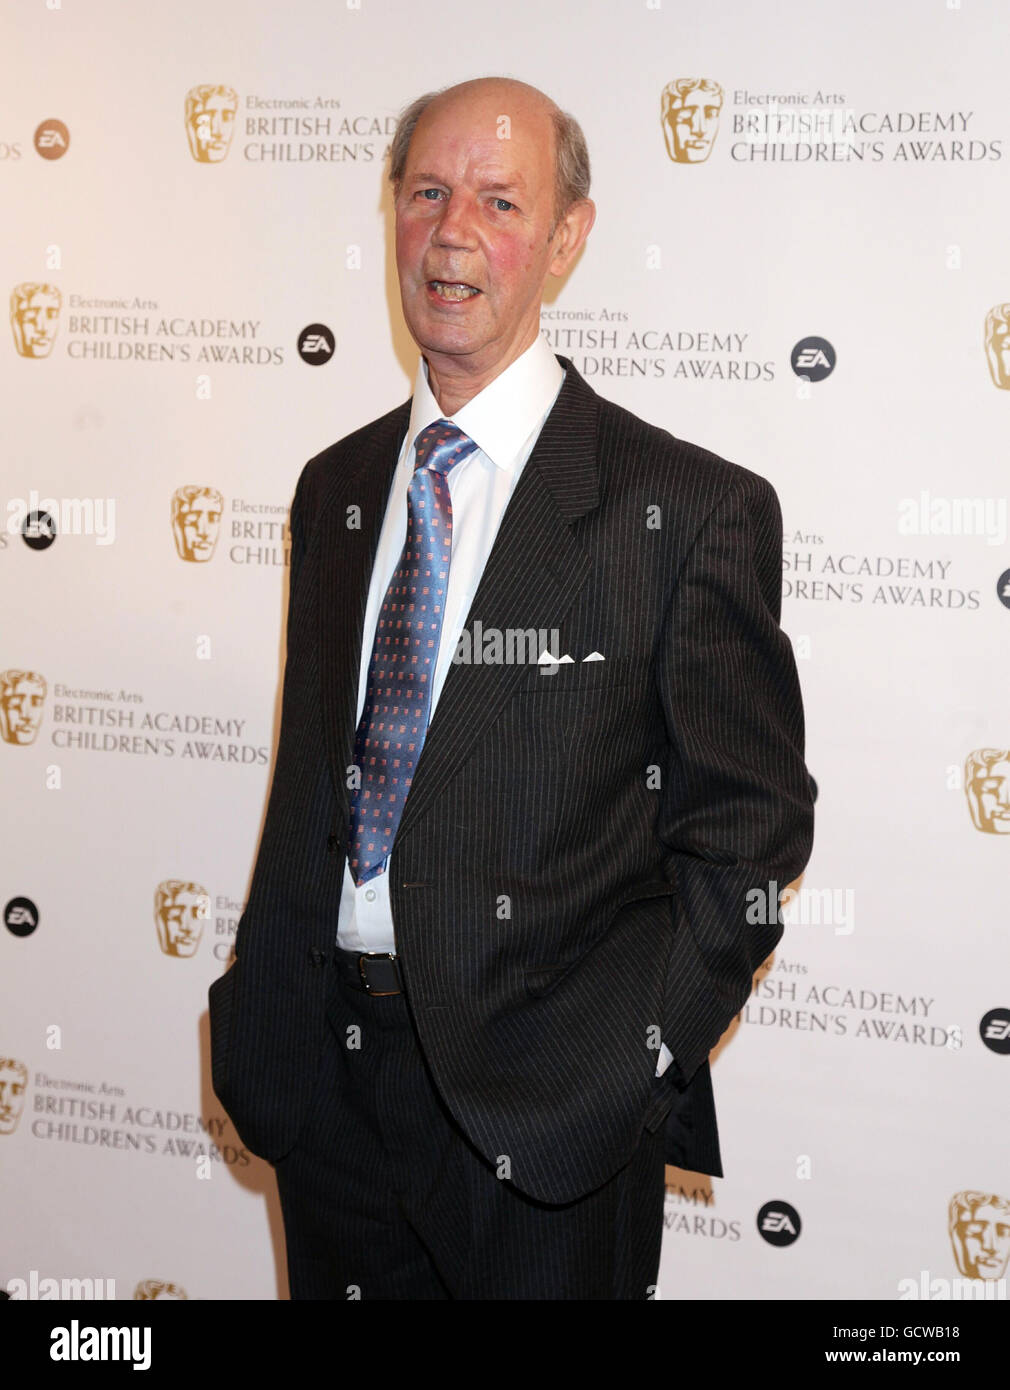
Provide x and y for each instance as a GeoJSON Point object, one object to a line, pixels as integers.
{"type": "Point", "coordinates": [431, 194]}
{"type": "Point", "coordinates": [502, 205]}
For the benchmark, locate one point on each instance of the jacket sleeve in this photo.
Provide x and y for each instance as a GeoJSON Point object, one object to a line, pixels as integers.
{"type": "Point", "coordinates": [297, 528]}
{"type": "Point", "coordinates": [736, 812]}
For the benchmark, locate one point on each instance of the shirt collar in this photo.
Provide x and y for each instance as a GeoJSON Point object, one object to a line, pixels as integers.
{"type": "Point", "coordinates": [501, 418]}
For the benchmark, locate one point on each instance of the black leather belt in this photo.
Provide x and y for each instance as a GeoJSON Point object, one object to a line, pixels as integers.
{"type": "Point", "coordinates": [375, 972]}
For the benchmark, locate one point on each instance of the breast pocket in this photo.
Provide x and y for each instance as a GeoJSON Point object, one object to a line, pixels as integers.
{"type": "Point", "coordinates": [573, 676]}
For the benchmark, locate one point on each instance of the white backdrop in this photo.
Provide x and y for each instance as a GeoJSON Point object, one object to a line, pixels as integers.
{"type": "Point", "coordinates": [846, 181]}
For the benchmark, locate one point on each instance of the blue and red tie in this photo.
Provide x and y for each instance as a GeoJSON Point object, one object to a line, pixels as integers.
{"type": "Point", "coordinates": [394, 719]}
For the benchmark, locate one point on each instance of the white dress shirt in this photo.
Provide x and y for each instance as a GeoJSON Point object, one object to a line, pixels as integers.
{"type": "Point", "coordinates": [504, 421]}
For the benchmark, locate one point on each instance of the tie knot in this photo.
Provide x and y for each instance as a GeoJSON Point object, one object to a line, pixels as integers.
{"type": "Point", "coordinates": [441, 446]}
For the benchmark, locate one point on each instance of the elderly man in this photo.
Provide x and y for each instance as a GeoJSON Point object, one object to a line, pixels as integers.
{"type": "Point", "coordinates": [498, 917]}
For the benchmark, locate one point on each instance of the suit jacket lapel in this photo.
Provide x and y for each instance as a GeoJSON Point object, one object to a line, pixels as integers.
{"type": "Point", "coordinates": [533, 573]}
{"type": "Point", "coordinates": [347, 554]}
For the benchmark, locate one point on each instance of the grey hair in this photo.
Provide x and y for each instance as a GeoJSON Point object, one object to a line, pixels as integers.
{"type": "Point", "coordinates": [571, 169]}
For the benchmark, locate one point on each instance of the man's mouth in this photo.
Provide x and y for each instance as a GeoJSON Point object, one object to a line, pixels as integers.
{"type": "Point", "coordinates": [452, 290]}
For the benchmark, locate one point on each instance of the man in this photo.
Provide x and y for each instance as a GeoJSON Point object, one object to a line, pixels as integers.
{"type": "Point", "coordinates": [536, 874]}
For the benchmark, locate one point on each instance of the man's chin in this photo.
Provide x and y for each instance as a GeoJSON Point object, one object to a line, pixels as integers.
{"type": "Point", "coordinates": [441, 339]}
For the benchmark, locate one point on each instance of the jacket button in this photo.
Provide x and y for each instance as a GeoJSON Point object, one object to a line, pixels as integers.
{"type": "Point", "coordinates": [317, 956]}
{"type": "Point", "coordinates": [332, 844]}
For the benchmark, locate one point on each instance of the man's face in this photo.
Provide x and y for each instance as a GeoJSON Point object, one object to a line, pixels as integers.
{"type": "Point", "coordinates": [213, 124]}
{"type": "Point", "coordinates": [986, 1243]}
{"type": "Point", "coordinates": [22, 710]}
{"type": "Point", "coordinates": [12, 1098]}
{"type": "Point", "coordinates": [37, 322]}
{"type": "Point", "coordinates": [472, 221]}
{"type": "Point", "coordinates": [693, 125]}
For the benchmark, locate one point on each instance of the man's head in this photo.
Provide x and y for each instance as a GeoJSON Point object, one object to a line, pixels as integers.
{"type": "Point", "coordinates": [979, 1224]}
{"type": "Point", "coordinates": [491, 184]}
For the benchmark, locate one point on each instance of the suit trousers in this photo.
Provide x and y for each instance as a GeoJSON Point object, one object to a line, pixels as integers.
{"type": "Point", "coordinates": [383, 1196]}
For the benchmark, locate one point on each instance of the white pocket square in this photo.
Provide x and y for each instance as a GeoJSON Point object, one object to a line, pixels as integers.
{"type": "Point", "coordinates": [594, 656]}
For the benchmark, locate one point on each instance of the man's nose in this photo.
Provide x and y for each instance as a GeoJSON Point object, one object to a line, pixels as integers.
{"type": "Point", "coordinates": [697, 122]}
{"type": "Point", "coordinates": [455, 226]}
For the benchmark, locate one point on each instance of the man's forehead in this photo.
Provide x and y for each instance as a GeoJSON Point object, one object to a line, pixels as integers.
{"type": "Point", "coordinates": [490, 173]}
{"type": "Point", "coordinates": [489, 126]}
{"type": "Point", "coordinates": [485, 162]}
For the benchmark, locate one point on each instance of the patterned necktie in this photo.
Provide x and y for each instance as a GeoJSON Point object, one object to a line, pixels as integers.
{"type": "Point", "coordinates": [394, 719]}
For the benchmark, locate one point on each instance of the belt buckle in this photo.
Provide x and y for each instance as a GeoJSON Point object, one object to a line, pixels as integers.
{"type": "Point", "coordinates": [376, 955]}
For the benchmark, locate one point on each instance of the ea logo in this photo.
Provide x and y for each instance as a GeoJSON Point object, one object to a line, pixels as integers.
{"type": "Point", "coordinates": [38, 530]}
{"type": "Point", "coordinates": [51, 140]}
{"type": "Point", "coordinates": [21, 916]}
{"type": "Point", "coordinates": [994, 1030]}
{"type": "Point", "coordinates": [813, 358]}
{"type": "Point", "coordinates": [779, 1223]}
{"type": "Point", "coordinates": [1003, 588]}
{"type": "Point", "coordinates": [316, 344]}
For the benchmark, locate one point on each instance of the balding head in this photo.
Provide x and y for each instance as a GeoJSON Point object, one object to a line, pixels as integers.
{"type": "Point", "coordinates": [507, 97]}
{"type": "Point", "coordinates": [478, 231]}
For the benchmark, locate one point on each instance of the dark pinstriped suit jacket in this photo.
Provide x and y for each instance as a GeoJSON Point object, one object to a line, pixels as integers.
{"type": "Point", "coordinates": [627, 900]}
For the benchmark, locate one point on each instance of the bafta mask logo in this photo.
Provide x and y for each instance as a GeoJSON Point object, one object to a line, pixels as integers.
{"type": "Point", "coordinates": [997, 345]}
{"type": "Point", "coordinates": [158, 1288]}
{"type": "Point", "coordinates": [13, 1084]}
{"type": "Point", "coordinates": [979, 1224]}
{"type": "Point", "coordinates": [35, 317]}
{"type": "Point", "coordinates": [210, 121]}
{"type": "Point", "coordinates": [180, 910]}
{"type": "Point", "coordinates": [987, 787]}
{"type": "Point", "coordinates": [691, 108]}
{"type": "Point", "coordinates": [22, 696]}
{"type": "Point", "coordinates": [196, 520]}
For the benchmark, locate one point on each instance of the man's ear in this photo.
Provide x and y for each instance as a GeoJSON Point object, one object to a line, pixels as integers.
{"type": "Point", "coordinates": [570, 234]}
